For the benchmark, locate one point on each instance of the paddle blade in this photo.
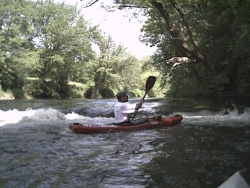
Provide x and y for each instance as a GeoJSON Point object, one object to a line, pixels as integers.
{"type": "Point", "coordinates": [150, 82]}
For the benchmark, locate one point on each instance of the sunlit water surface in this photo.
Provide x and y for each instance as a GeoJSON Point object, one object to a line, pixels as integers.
{"type": "Point", "coordinates": [37, 149]}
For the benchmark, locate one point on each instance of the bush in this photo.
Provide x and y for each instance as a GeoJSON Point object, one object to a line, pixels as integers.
{"type": "Point", "coordinates": [107, 93]}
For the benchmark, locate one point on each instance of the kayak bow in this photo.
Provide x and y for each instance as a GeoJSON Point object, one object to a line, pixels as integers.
{"type": "Point", "coordinates": [235, 181]}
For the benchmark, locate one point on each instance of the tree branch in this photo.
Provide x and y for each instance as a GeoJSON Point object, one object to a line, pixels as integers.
{"type": "Point", "coordinates": [90, 3]}
{"type": "Point", "coordinates": [180, 60]}
{"type": "Point", "coordinates": [193, 41]}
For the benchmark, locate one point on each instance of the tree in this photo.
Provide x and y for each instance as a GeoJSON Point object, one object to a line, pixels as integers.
{"type": "Point", "coordinates": [112, 67]}
{"type": "Point", "coordinates": [197, 33]}
{"type": "Point", "coordinates": [14, 29]}
{"type": "Point", "coordinates": [62, 40]}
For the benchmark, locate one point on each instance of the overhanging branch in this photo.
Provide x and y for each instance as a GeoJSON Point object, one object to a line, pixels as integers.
{"type": "Point", "coordinates": [90, 3]}
{"type": "Point", "coordinates": [180, 60]}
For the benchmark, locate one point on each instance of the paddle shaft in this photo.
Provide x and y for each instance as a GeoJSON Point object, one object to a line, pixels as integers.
{"type": "Point", "coordinates": [149, 84]}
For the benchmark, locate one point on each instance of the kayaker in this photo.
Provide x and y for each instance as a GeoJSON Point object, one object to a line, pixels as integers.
{"type": "Point", "coordinates": [123, 110]}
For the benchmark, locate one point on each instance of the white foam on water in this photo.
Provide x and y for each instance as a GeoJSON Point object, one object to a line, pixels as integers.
{"type": "Point", "coordinates": [14, 116]}
{"type": "Point", "coordinates": [47, 115]}
{"type": "Point", "coordinates": [203, 117]}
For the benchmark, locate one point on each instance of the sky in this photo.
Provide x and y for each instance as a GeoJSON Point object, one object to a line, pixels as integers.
{"type": "Point", "coordinates": [115, 24]}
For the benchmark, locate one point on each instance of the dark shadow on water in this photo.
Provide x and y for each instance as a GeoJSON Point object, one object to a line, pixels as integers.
{"type": "Point", "coordinates": [200, 157]}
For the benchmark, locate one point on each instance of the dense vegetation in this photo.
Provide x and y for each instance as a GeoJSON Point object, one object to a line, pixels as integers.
{"type": "Point", "coordinates": [47, 50]}
{"type": "Point", "coordinates": [209, 39]}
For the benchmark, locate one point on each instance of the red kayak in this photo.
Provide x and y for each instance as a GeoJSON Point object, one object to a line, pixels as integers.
{"type": "Point", "coordinates": [155, 122]}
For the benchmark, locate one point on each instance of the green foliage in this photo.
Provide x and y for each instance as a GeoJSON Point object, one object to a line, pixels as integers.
{"type": "Point", "coordinates": [43, 89]}
{"type": "Point", "coordinates": [88, 93]}
{"type": "Point", "coordinates": [113, 68]}
{"type": "Point", "coordinates": [13, 42]}
{"type": "Point", "coordinates": [53, 43]}
{"type": "Point", "coordinates": [107, 93]}
{"type": "Point", "coordinates": [6, 94]}
{"type": "Point", "coordinates": [221, 30]}
{"type": "Point", "coordinates": [64, 46]}
{"type": "Point", "coordinates": [77, 91]}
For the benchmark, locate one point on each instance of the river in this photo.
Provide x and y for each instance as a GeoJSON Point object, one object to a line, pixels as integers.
{"type": "Point", "coordinates": [37, 148]}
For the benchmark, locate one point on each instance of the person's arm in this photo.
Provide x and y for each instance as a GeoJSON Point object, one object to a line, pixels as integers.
{"type": "Point", "coordinates": [138, 105]}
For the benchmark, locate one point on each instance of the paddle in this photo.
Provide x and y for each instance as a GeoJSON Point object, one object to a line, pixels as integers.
{"type": "Point", "coordinates": [149, 84]}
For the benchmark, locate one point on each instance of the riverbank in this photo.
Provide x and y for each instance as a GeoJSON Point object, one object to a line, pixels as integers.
{"type": "Point", "coordinates": [7, 97]}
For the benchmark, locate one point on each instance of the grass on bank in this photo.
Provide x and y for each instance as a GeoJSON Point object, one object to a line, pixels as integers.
{"type": "Point", "coordinates": [78, 90]}
{"type": "Point", "coordinates": [6, 95]}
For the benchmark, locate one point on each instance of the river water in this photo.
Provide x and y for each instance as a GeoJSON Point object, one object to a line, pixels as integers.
{"type": "Point", "coordinates": [37, 149]}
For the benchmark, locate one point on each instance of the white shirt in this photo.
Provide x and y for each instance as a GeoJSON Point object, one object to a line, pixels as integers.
{"type": "Point", "coordinates": [121, 111]}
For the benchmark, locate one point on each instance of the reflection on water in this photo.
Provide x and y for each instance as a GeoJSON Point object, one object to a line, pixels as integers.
{"type": "Point", "coordinates": [37, 149]}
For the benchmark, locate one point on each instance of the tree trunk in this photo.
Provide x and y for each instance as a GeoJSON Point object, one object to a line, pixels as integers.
{"type": "Point", "coordinates": [178, 39]}
{"type": "Point", "coordinates": [99, 82]}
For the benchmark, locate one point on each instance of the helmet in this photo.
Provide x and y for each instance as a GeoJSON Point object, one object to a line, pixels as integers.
{"type": "Point", "coordinates": [122, 93]}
